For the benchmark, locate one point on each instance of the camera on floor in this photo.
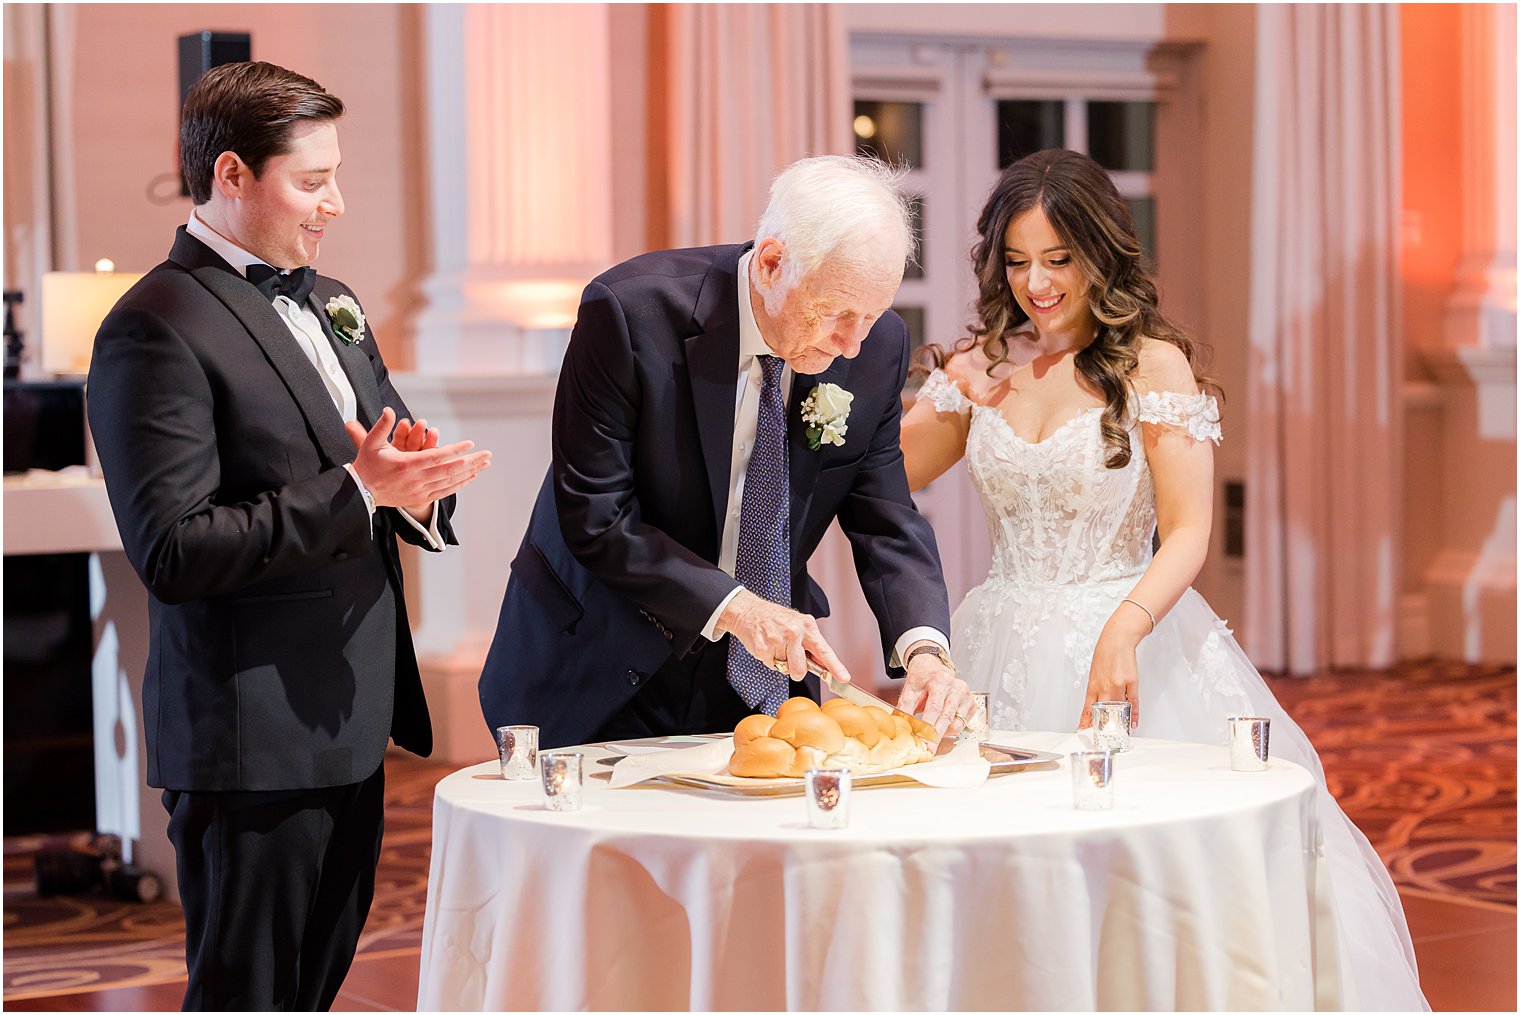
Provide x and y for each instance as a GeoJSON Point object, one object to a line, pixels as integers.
{"type": "Point", "coordinates": [71, 870]}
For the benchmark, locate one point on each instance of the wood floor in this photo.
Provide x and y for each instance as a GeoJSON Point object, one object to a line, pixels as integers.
{"type": "Point", "coordinates": [1422, 759]}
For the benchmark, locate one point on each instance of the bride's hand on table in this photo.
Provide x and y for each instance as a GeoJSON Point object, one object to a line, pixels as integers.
{"type": "Point", "coordinates": [1114, 676]}
{"type": "Point", "coordinates": [935, 694]}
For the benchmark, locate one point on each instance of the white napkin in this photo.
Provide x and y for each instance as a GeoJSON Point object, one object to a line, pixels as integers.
{"type": "Point", "coordinates": [709, 759]}
{"type": "Point", "coordinates": [962, 767]}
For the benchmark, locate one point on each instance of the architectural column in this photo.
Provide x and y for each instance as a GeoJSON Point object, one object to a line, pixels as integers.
{"type": "Point", "coordinates": [453, 597]}
{"type": "Point", "coordinates": [518, 106]}
{"type": "Point", "coordinates": [519, 129]}
{"type": "Point", "coordinates": [1481, 313]}
{"type": "Point", "coordinates": [1472, 579]}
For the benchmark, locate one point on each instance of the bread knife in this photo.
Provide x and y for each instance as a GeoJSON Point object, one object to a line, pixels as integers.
{"type": "Point", "coordinates": [860, 696]}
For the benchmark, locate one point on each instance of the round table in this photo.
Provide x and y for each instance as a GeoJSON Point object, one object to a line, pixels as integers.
{"type": "Point", "coordinates": [1201, 889]}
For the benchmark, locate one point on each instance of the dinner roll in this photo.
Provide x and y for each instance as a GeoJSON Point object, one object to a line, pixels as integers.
{"type": "Point", "coordinates": [751, 727]}
{"type": "Point", "coordinates": [810, 729]}
{"type": "Point", "coordinates": [903, 749]}
{"type": "Point", "coordinates": [853, 721]}
{"type": "Point", "coordinates": [762, 758]}
{"type": "Point", "coordinates": [806, 758]}
{"type": "Point", "coordinates": [796, 706]}
{"type": "Point", "coordinates": [854, 755]}
{"type": "Point", "coordinates": [834, 705]}
{"type": "Point", "coordinates": [921, 729]}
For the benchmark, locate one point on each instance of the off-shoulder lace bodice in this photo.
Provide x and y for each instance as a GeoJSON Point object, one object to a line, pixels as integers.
{"type": "Point", "coordinates": [1056, 513]}
{"type": "Point", "coordinates": [941, 391]}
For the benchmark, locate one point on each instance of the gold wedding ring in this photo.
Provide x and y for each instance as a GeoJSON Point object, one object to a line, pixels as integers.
{"type": "Point", "coordinates": [779, 665]}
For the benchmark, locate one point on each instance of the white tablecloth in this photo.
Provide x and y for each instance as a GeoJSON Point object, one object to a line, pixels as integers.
{"type": "Point", "coordinates": [1198, 891]}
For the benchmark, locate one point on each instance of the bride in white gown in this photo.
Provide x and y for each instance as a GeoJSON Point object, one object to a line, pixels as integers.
{"type": "Point", "coordinates": [1078, 410]}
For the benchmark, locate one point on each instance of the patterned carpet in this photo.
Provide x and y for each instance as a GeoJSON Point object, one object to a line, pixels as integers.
{"type": "Point", "coordinates": [1421, 758]}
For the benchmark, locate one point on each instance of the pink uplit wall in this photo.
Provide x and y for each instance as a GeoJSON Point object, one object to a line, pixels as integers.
{"type": "Point", "coordinates": [1458, 89]}
{"type": "Point", "coordinates": [116, 106]}
{"type": "Point", "coordinates": [1432, 247]}
{"type": "Point", "coordinates": [1431, 78]}
{"type": "Point", "coordinates": [638, 211]}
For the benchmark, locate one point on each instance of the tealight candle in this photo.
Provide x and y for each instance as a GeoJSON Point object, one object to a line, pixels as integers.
{"type": "Point", "coordinates": [1248, 742]}
{"type": "Point", "coordinates": [828, 797]}
{"type": "Point", "coordinates": [1092, 780]}
{"type": "Point", "coordinates": [518, 748]}
{"type": "Point", "coordinates": [562, 777]}
{"type": "Point", "coordinates": [1110, 722]}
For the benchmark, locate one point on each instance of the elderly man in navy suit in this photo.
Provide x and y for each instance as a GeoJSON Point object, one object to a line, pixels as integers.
{"type": "Point", "coordinates": [718, 409]}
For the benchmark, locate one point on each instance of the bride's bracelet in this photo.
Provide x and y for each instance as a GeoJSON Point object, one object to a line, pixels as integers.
{"type": "Point", "coordinates": [1148, 613]}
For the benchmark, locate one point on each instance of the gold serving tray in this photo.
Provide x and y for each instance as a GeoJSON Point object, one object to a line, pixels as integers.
{"type": "Point", "coordinates": [1003, 759]}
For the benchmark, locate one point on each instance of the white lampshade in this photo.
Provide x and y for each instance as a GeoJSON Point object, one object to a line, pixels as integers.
{"type": "Point", "coordinates": [73, 305]}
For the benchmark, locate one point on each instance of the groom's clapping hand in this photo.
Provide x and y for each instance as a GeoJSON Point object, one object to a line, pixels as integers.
{"type": "Point", "coordinates": [410, 470]}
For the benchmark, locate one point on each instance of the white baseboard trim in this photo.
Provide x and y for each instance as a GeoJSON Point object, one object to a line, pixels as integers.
{"type": "Point", "coordinates": [1414, 626]}
{"type": "Point", "coordinates": [1472, 607]}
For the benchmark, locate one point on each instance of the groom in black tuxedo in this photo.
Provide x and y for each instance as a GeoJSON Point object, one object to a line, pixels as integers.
{"type": "Point", "coordinates": [717, 410]}
{"type": "Point", "coordinates": [249, 436]}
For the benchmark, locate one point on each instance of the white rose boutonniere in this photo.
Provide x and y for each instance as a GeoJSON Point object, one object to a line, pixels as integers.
{"type": "Point", "coordinates": [826, 410]}
{"type": "Point", "coordinates": [347, 319]}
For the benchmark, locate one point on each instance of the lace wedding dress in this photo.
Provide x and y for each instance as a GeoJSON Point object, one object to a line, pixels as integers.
{"type": "Point", "coordinates": [1070, 539]}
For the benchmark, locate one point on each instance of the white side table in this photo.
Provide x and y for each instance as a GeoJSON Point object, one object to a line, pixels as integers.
{"type": "Point", "coordinates": [48, 512]}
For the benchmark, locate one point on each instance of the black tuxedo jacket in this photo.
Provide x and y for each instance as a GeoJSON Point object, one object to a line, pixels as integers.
{"type": "Point", "coordinates": [617, 573]}
{"type": "Point", "coordinates": [280, 656]}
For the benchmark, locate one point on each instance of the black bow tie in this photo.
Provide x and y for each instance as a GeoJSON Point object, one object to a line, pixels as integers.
{"type": "Point", "coordinates": [296, 286]}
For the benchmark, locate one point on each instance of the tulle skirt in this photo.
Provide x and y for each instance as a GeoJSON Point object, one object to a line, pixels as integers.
{"type": "Point", "coordinates": [1030, 646]}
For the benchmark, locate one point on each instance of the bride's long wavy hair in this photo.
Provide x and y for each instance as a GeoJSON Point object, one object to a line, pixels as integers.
{"type": "Point", "coordinates": [1087, 213]}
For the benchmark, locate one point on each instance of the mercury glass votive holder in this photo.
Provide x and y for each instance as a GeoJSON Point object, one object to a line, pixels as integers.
{"type": "Point", "coordinates": [828, 797]}
{"type": "Point", "coordinates": [1110, 724]}
{"type": "Point", "coordinates": [978, 726]}
{"type": "Point", "coordinates": [562, 773]}
{"type": "Point", "coordinates": [518, 747]}
{"type": "Point", "coordinates": [1092, 780]}
{"type": "Point", "coordinates": [1248, 742]}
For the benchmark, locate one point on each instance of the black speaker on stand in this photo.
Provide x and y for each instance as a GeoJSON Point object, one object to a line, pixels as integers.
{"type": "Point", "coordinates": [201, 51]}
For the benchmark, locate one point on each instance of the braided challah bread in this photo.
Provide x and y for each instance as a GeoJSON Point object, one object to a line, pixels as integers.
{"type": "Point", "coordinates": [840, 734]}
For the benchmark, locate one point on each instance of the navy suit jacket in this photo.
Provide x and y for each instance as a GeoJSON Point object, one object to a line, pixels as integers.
{"type": "Point", "coordinates": [617, 573]}
{"type": "Point", "coordinates": [279, 656]}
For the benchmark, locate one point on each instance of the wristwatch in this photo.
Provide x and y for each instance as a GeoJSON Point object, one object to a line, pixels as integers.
{"type": "Point", "coordinates": [931, 649]}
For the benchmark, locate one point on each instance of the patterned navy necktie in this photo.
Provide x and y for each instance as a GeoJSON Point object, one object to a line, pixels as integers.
{"type": "Point", "coordinates": [764, 561]}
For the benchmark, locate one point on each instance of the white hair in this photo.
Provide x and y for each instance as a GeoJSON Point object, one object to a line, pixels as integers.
{"type": "Point", "coordinates": [849, 211]}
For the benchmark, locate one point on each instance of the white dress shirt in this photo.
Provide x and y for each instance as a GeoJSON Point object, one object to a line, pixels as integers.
{"type": "Point", "coordinates": [307, 331]}
{"type": "Point", "coordinates": [746, 415]}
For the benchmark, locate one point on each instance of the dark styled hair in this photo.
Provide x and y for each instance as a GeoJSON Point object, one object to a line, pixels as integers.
{"type": "Point", "coordinates": [246, 108]}
{"type": "Point", "coordinates": [1087, 213]}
